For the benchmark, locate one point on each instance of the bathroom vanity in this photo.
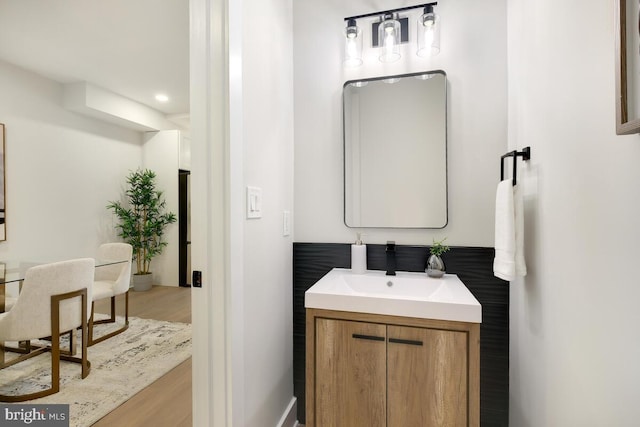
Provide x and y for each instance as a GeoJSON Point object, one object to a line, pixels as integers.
{"type": "Point", "coordinates": [392, 351]}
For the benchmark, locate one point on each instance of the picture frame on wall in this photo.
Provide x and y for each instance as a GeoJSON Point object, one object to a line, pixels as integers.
{"type": "Point", "coordinates": [627, 34]}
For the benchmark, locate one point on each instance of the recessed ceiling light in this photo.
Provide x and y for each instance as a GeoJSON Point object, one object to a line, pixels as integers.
{"type": "Point", "coordinates": [162, 97]}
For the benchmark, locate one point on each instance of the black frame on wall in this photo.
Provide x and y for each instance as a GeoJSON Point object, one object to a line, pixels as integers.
{"type": "Point", "coordinates": [473, 265]}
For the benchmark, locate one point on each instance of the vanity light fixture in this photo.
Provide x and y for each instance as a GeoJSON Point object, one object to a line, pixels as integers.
{"type": "Point", "coordinates": [389, 31]}
{"type": "Point", "coordinates": [353, 44]}
{"type": "Point", "coordinates": [428, 33]}
{"type": "Point", "coordinates": [389, 37]}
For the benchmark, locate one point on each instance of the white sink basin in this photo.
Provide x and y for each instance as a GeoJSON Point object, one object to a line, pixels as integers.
{"type": "Point", "coordinates": [406, 294]}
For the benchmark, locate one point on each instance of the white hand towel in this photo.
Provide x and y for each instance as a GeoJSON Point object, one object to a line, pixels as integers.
{"type": "Point", "coordinates": [518, 210]}
{"type": "Point", "coordinates": [509, 232]}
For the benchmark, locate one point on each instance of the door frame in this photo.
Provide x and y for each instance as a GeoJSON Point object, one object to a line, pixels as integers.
{"type": "Point", "coordinates": [217, 203]}
{"type": "Point", "coordinates": [208, 77]}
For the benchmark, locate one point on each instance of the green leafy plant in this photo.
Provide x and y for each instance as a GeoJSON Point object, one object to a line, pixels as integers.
{"type": "Point", "coordinates": [438, 248]}
{"type": "Point", "coordinates": [143, 218]}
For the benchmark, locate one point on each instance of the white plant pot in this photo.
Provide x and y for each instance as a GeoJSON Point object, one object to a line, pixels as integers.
{"type": "Point", "coordinates": [142, 282]}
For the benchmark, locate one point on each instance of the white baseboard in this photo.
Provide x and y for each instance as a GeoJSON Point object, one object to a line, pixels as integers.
{"type": "Point", "coordinates": [289, 417]}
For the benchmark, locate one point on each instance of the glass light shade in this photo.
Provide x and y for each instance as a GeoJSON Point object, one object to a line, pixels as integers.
{"type": "Point", "coordinates": [428, 35]}
{"type": "Point", "coordinates": [389, 39]}
{"type": "Point", "coordinates": [352, 45]}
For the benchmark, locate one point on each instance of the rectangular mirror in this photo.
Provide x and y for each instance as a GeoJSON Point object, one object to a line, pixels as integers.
{"type": "Point", "coordinates": [395, 151]}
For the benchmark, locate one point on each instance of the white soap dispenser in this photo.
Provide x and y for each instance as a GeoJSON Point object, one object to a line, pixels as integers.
{"type": "Point", "coordinates": [358, 256]}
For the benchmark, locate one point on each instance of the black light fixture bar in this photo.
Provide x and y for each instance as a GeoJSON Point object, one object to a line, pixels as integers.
{"type": "Point", "coordinates": [384, 12]}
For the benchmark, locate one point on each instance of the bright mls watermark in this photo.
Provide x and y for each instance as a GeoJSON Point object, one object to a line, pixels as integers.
{"type": "Point", "coordinates": [34, 415]}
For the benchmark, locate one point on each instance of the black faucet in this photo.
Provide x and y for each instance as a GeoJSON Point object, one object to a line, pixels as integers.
{"type": "Point", "coordinates": [391, 258]}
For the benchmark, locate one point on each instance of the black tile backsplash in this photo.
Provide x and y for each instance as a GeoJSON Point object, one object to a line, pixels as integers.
{"type": "Point", "coordinates": [473, 265]}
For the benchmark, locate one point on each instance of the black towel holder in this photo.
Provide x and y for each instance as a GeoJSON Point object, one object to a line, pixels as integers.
{"type": "Point", "coordinates": [525, 154]}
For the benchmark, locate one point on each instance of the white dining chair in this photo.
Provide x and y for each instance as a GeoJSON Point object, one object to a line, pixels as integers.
{"type": "Point", "coordinates": [54, 299]}
{"type": "Point", "coordinates": [110, 281]}
{"type": "Point", "coordinates": [9, 302]}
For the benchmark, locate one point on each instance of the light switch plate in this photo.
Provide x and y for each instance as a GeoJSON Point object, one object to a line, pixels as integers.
{"type": "Point", "coordinates": [254, 202]}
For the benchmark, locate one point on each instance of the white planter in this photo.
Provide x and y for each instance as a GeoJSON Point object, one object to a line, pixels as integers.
{"type": "Point", "coordinates": [142, 282]}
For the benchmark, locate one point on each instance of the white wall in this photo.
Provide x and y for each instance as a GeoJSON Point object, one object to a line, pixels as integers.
{"type": "Point", "coordinates": [574, 318]}
{"type": "Point", "coordinates": [267, 118]}
{"type": "Point", "coordinates": [161, 154]}
{"type": "Point", "coordinates": [93, 101]}
{"type": "Point", "coordinates": [473, 54]}
{"type": "Point", "coordinates": [61, 171]}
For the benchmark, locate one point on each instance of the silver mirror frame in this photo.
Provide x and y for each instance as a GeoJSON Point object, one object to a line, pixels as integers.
{"type": "Point", "coordinates": [441, 223]}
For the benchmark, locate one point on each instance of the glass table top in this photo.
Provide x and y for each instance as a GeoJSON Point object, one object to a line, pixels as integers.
{"type": "Point", "coordinates": [14, 271]}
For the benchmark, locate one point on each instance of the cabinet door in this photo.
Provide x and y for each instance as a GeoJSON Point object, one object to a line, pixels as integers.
{"type": "Point", "coordinates": [427, 377]}
{"type": "Point", "coordinates": [350, 375]}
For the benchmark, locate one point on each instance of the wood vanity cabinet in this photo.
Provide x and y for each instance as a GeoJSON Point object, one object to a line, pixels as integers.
{"type": "Point", "coordinates": [372, 370]}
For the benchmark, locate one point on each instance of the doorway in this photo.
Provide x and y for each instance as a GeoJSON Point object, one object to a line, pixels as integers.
{"type": "Point", "coordinates": [184, 228]}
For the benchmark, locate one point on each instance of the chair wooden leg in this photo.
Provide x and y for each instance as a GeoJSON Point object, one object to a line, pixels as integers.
{"type": "Point", "coordinates": [23, 347]}
{"type": "Point", "coordinates": [56, 354]}
{"type": "Point", "coordinates": [86, 365]}
{"type": "Point", "coordinates": [90, 339]}
{"type": "Point", "coordinates": [55, 344]}
{"type": "Point", "coordinates": [113, 309]}
{"type": "Point", "coordinates": [33, 352]}
{"type": "Point", "coordinates": [73, 342]}
{"type": "Point", "coordinates": [84, 361]}
{"type": "Point", "coordinates": [111, 319]}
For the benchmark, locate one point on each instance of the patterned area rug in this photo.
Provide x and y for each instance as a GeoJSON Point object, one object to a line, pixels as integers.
{"type": "Point", "coordinates": [120, 367]}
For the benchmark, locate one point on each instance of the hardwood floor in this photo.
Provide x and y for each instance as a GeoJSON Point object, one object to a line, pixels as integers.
{"type": "Point", "coordinates": [166, 402]}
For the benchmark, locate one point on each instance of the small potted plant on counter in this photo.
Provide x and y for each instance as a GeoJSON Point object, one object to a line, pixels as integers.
{"type": "Point", "coordinates": [435, 265]}
{"type": "Point", "coordinates": [142, 223]}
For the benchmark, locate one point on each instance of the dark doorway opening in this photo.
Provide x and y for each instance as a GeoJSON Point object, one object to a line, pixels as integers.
{"type": "Point", "coordinates": [184, 228]}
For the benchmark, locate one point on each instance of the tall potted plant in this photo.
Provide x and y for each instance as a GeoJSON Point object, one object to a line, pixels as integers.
{"type": "Point", "coordinates": [142, 222]}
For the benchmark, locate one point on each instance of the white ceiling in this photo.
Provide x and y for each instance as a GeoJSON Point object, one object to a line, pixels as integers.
{"type": "Point", "coordinates": [135, 48]}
